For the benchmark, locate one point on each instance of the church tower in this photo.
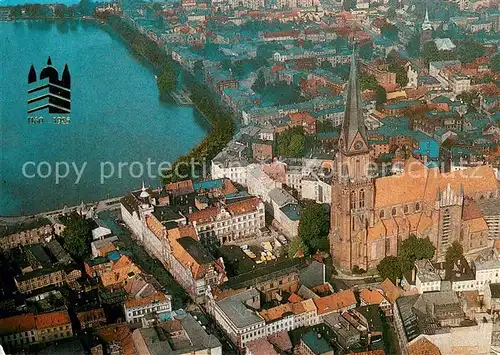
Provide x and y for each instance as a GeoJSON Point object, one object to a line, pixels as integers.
{"type": "Point", "coordinates": [352, 184]}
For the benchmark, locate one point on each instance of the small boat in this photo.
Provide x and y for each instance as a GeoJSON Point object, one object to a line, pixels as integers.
{"type": "Point", "coordinates": [156, 78]}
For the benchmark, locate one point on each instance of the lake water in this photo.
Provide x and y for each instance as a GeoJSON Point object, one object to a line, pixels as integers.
{"type": "Point", "coordinates": [116, 116]}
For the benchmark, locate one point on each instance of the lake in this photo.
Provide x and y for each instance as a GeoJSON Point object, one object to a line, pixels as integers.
{"type": "Point", "coordinates": [116, 116]}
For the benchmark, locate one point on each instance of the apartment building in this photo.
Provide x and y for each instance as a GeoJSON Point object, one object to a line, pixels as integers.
{"type": "Point", "coordinates": [231, 222]}
{"type": "Point", "coordinates": [136, 308]}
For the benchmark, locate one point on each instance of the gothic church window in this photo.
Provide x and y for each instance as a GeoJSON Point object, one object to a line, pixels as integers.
{"type": "Point", "coordinates": [361, 198]}
{"type": "Point", "coordinates": [417, 207]}
{"type": "Point", "coordinates": [394, 211]}
{"type": "Point", "coordinates": [382, 214]}
{"type": "Point", "coordinates": [406, 209]}
{"type": "Point", "coordinates": [353, 199]}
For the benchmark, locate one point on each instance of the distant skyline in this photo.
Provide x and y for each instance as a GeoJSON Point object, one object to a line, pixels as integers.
{"type": "Point", "coordinates": [24, 2]}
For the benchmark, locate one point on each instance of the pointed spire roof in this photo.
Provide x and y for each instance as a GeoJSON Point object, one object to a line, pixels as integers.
{"type": "Point", "coordinates": [144, 193]}
{"type": "Point", "coordinates": [354, 122]}
{"type": "Point", "coordinates": [32, 75]}
{"type": "Point", "coordinates": [427, 23]}
{"type": "Point", "coordinates": [49, 61]}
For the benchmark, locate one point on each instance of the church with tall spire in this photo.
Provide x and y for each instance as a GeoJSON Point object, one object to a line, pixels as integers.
{"type": "Point", "coordinates": [371, 216]}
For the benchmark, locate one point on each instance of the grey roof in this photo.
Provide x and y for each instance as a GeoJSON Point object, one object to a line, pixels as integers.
{"type": "Point", "coordinates": [426, 271]}
{"type": "Point", "coordinates": [313, 275]}
{"type": "Point", "coordinates": [487, 265]}
{"type": "Point", "coordinates": [157, 339]}
{"type": "Point", "coordinates": [101, 242]}
{"type": "Point", "coordinates": [408, 316]}
{"type": "Point", "coordinates": [495, 290]}
{"type": "Point", "coordinates": [354, 121]}
{"type": "Point", "coordinates": [428, 299]}
{"type": "Point", "coordinates": [281, 197]}
{"type": "Point", "coordinates": [490, 207]}
{"type": "Point", "coordinates": [235, 309]}
{"type": "Point", "coordinates": [59, 253]}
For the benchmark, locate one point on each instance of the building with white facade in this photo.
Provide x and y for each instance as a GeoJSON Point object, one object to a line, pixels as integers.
{"type": "Point", "coordinates": [286, 211]}
{"type": "Point", "coordinates": [231, 222]}
{"type": "Point", "coordinates": [426, 278]}
{"type": "Point", "coordinates": [136, 308]}
{"type": "Point", "coordinates": [239, 316]}
{"type": "Point", "coordinates": [259, 183]}
{"type": "Point", "coordinates": [486, 272]}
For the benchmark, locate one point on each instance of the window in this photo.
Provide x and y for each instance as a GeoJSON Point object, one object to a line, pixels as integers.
{"type": "Point", "coordinates": [353, 199]}
{"type": "Point", "coordinates": [394, 211]}
{"type": "Point", "coordinates": [417, 206]}
{"type": "Point", "coordinates": [382, 214]}
{"type": "Point", "coordinates": [406, 209]}
{"type": "Point", "coordinates": [361, 198]}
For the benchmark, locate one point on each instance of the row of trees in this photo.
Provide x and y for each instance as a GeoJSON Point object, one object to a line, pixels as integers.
{"type": "Point", "coordinates": [221, 133]}
{"type": "Point", "coordinates": [33, 11]}
{"type": "Point", "coordinates": [222, 123]}
{"type": "Point", "coordinates": [167, 80]}
{"type": "Point", "coordinates": [139, 43]}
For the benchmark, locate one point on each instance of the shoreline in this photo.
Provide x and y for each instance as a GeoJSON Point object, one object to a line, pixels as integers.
{"type": "Point", "coordinates": [103, 25]}
{"type": "Point", "coordinates": [143, 60]}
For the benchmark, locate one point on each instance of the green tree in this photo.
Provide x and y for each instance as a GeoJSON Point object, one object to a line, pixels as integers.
{"type": "Point", "coordinates": [430, 52]}
{"type": "Point", "coordinates": [15, 11]}
{"type": "Point", "coordinates": [469, 50]}
{"type": "Point", "coordinates": [413, 249]}
{"type": "Point", "coordinates": [85, 7]}
{"type": "Point", "coordinates": [413, 47]}
{"type": "Point", "coordinates": [166, 81]}
{"type": "Point", "coordinates": [295, 245]}
{"type": "Point", "coordinates": [495, 62]}
{"type": "Point", "coordinates": [397, 67]}
{"type": "Point", "coordinates": [291, 143]}
{"type": "Point", "coordinates": [260, 82]}
{"type": "Point", "coordinates": [380, 95]}
{"type": "Point", "coordinates": [314, 226]}
{"type": "Point", "coordinates": [366, 51]}
{"type": "Point", "coordinates": [349, 4]}
{"type": "Point", "coordinates": [454, 253]}
{"type": "Point", "coordinates": [390, 31]}
{"type": "Point", "coordinates": [390, 267]}
{"type": "Point", "coordinates": [60, 11]}
{"type": "Point", "coordinates": [367, 82]}
{"type": "Point", "coordinates": [77, 235]}
{"type": "Point", "coordinates": [470, 98]}
{"type": "Point", "coordinates": [326, 65]}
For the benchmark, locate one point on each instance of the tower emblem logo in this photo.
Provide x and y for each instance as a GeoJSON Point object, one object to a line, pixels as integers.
{"type": "Point", "coordinates": [47, 91]}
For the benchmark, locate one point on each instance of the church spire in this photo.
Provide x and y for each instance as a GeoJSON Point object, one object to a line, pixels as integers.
{"type": "Point", "coordinates": [426, 25]}
{"type": "Point", "coordinates": [353, 127]}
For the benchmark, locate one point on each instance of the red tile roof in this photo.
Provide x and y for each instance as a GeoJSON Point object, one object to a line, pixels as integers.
{"type": "Point", "coordinates": [245, 206]}
{"type": "Point", "coordinates": [53, 319]}
{"type": "Point", "coordinates": [371, 296]}
{"type": "Point", "coordinates": [335, 302]}
{"type": "Point", "coordinates": [17, 324]}
{"type": "Point", "coordinates": [203, 216]}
